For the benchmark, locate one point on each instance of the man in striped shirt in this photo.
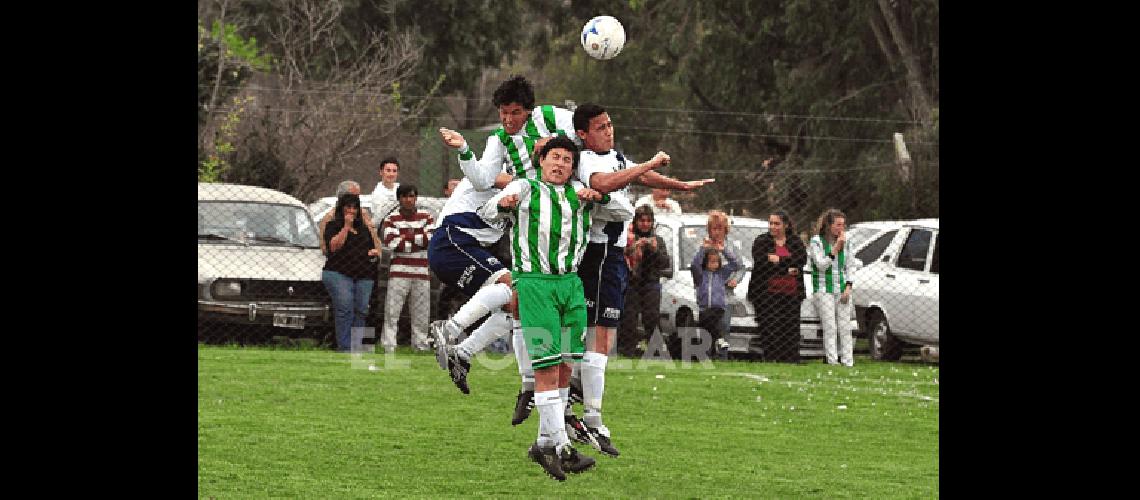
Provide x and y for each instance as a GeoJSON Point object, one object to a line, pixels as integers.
{"type": "Point", "coordinates": [508, 154]}
{"type": "Point", "coordinates": [551, 223]}
{"type": "Point", "coordinates": [407, 232]}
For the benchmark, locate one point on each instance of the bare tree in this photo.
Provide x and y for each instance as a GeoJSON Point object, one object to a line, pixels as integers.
{"type": "Point", "coordinates": [326, 108]}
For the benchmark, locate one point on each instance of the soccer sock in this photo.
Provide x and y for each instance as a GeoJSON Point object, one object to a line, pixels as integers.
{"type": "Point", "coordinates": [497, 325]}
{"type": "Point", "coordinates": [551, 427]}
{"type": "Point", "coordinates": [593, 386]}
{"type": "Point", "coordinates": [488, 299]}
{"type": "Point", "coordinates": [522, 356]}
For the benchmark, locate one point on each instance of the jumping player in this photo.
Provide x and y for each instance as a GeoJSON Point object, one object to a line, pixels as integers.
{"type": "Point", "coordinates": [548, 237]}
{"type": "Point", "coordinates": [603, 270]}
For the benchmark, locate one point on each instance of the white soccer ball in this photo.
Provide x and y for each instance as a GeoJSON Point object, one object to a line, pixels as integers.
{"type": "Point", "coordinates": [603, 37]}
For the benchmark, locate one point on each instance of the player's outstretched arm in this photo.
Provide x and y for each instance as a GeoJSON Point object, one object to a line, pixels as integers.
{"type": "Point", "coordinates": [657, 180]}
{"type": "Point", "coordinates": [608, 182]}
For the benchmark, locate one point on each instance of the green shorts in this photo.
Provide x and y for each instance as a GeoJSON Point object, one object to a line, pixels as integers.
{"type": "Point", "coordinates": [552, 310]}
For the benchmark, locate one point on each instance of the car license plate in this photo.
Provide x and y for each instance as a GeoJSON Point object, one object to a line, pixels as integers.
{"type": "Point", "coordinates": [296, 321]}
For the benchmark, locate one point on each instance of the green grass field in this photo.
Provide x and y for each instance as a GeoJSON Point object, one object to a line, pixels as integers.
{"type": "Point", "coordinates": [316, 424]}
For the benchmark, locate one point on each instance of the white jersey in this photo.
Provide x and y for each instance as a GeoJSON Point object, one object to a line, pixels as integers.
{"type": "Point", "coordinates": [607, 229]}
{"type": "Point", "coordinates": [384, 200]}
{"type": "Point", "coordinates": [460, 211]}
{"type": "Point", "coordinates": [514, 153]}
{"type": "Point", "coordinates": [551, 222]}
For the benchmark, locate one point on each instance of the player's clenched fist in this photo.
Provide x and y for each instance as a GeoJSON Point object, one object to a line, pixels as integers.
{"type": "Point", "coordinates": [509, 201]}
{"type": "Point", "coordinates": [451, 137]}
{"type": "Point", "coordinates": [589, 194]}
{"type": "Point", "coordinates": [660, 159]}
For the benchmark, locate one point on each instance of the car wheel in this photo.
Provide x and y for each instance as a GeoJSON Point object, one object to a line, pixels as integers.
{"type": "Point", "coordinates": [883, 345]}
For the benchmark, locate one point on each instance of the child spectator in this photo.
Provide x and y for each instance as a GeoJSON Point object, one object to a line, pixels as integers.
{"type": "Point", "coordinates": [710, 277]}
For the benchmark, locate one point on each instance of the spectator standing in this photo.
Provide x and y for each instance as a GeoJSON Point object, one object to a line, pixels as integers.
{"type": "Point", "coordinates": [660, 201]}
{"type": "Point", "coordinates": [647, 257]}
{"type": "Point", "coordinates": [777, 289]}
{"type": "Point", "coordinates": [831, 270]}
{"type": "Point", "coordinates": [349, 272]}
{"type": "Point", "coordinates": [407, 232]}
{"type": "Point", "coordinates": [350, 187]}
{"type": "Point", "coordinates": [718, 227]}
{"type": "Point", "coordinates": [384, 196]}
{"type": "Point", "coordinates": [712, 268]}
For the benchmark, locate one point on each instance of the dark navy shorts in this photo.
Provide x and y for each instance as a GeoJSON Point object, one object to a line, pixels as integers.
{"type": "Point", "coordinates": [459, 260]}
{"type": "Point", "coordinates": [604, 276]}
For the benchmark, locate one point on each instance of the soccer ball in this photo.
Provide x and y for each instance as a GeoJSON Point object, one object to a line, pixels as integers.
{"type": "Point", "coordinates": [603, 37]}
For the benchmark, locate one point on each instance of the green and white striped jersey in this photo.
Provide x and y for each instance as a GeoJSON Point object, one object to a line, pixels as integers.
{"type": "Point", "coordinates": [830, 275]}
{"type": "Point", "coordinates": [514, 154]}
{"type": "Point", "coordinates": [551, 224]}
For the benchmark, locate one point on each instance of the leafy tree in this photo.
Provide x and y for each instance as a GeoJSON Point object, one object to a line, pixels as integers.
{"type": "Point", "coordinates": [225, 61]}
{"type": "Point", "coordinates": [724, 85]}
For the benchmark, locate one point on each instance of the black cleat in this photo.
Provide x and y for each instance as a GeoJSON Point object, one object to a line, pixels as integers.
{"type": "Point", "coordinates": [601, 442]}
{"type": "Point", "coordinates": [576, 392]}
{"type": "Point", "coordinates": [458, 369]}
{"type": "Point", "coordinates": [575, 462]}
{"type": "Point", "coordinates": [523, 405]}
{"type": "Point", "coordinates": [548, 459]}
{"type": "Point", "coordinates": [577, 431]}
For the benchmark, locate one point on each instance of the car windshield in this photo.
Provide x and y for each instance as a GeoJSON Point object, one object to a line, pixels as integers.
{"type": "Point", "coordinates": [857, 236]}
{"type": "Point", "coordinates": [255, 224]}
{"type": "Point", "coordinates": [739, 239]}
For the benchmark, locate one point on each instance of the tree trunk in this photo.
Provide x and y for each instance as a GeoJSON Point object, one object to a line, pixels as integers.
{"type": "Point", "coordinates": [221, 57]}
{"type": "Point", "coordinates": [884, 45]}
{"type": "Point", "coordinates": [910, 61]}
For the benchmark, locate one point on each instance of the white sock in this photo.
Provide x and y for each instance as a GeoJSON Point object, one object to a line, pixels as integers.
{"type": "Point", "coordinates": [526, 371]}
{"type": "Point", "coordinates": [496, 326]}
{"type": "Point", "coordinates": [593, 386]}
{"type": "Point", "coordinates": [488, 299]}
{"type": "Point", "coordinates": [551, 426]}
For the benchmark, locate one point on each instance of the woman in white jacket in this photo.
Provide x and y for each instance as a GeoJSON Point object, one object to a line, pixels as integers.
{"type": "Point", "coordinates": [831, 270]}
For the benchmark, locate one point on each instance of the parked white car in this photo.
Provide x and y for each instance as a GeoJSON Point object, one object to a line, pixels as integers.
{"type": "Point", "coordinates": [896, 291]}
{"type": "Point", "coordinates": [259, 262]}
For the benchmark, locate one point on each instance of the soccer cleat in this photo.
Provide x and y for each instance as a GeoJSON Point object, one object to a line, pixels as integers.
{"type": "Point", "coordinates": [576, 431]}
{"type": "Point", "coordinates": [548, 459]}
{"type": "Point", "coordinates": [575, 462]}
{"type": "Point", "coordinates": [601, 440]}
{"type": "Point", "coordinates": [439, 338]}
{"type": "Point", "coordinates": [576, 392]}
{"type": "Point", "coordinates": [523, 405]}
{"type": "Point", "coordinates": [458, 369]}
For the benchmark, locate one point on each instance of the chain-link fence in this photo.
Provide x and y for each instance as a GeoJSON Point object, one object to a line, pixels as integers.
{"type": "Point", "coordinates": [264, 269]}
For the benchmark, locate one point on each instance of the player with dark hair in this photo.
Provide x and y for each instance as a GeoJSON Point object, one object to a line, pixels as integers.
{"type": "Point", "coordinates": [603, 270]}
{"type": "Point", "coordinates": [551, 220]}
{"type": "Point", "coordinates": [508, 154]}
